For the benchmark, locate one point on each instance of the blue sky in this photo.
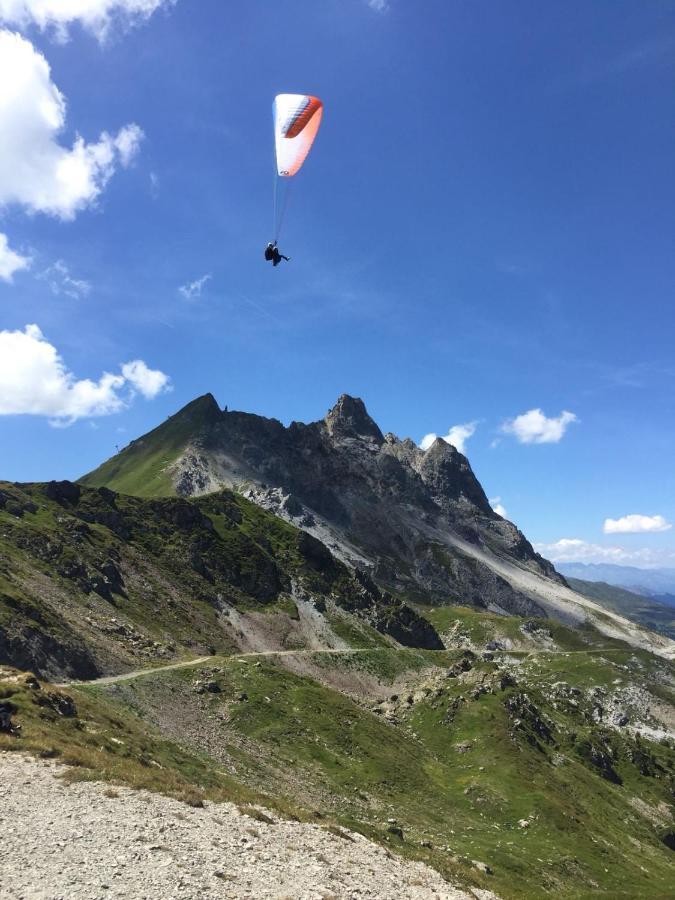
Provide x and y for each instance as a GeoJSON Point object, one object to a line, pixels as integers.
{"type": "Point", "coordinates": [484, 228]}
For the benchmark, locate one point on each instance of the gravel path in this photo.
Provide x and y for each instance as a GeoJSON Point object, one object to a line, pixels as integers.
{"type": "Point", "coordinates": [190, 663]}
{"type": "Point", "coordinates": [74, 842]}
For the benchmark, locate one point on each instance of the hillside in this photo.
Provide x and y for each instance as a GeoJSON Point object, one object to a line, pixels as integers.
{"type": "Point", "coordinates": [92, 582]}
{"type": "Point", "coordinates": [452, 700]}
{"type": "Point", "coordinates": [645, 610]}
{"type": "Point", "coordinates": [228, 656]}
{"type": "Point", "coordinates": [543, 769]}
{"type": "Point", "coordinates": [659, 584]}
{"type": "Point", "coordinates": [417, 521]}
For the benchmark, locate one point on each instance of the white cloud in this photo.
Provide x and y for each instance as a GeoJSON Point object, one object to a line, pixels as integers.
{"type": "Point", "coordinates": [193, 290]}
{"type": "Point", "coordinates": [533, 427]}
{"type": "Point", "coordinates": [95, 15]}
{"type": "Point", "coordinates": [379, 5]}
{"type": "Point", "coordinates": [60, 281]}
{"type": "Point", "coordinates": [34, 380]}
{"type": "Point", "coordinates": [496, 504]}
{"type": "Point", "coordinates": [36, 171]}
{"type": "Point", "coordinates": [458, 435]}
{"type": "Point", "coordinates": [150, 382]}
{"type": "Point", "coordinates": [576, 550]}
{"type": "Point", "coordinates": [10, 261]}
{"type": "Point", "coordinates": [636, 524]}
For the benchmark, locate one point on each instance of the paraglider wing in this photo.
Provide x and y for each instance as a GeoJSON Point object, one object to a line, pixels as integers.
{"type": "Point", "coordinates": [296, 121]}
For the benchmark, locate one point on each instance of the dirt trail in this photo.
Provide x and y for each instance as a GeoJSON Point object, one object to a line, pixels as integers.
{"type": "Point", "coordinates": [186, 664]}
{"type": "Point", "coordinates": [541, 651]}
{"type": "Point", "coordinates": [201, 660]}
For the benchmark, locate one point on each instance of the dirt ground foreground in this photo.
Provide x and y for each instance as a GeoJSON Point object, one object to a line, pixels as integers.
{"type": "Point", "coordinates": [88, 840]}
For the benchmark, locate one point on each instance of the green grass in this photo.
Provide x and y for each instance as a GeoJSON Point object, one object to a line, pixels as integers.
{"type": "Point", "coordinates": [481, 627]}
{"type": "Point", "coordinates": [314, 742]}
{"type": "Point", "coordinates": [141, 468]}
{"type": "Point", "coordinates": [386, 663]}
{"type": "Point", "coordinates": [353, 632]}
{"type": "Point", "coordinates": [106, 741]}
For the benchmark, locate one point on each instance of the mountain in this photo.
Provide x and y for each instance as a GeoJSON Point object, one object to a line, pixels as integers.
{"type": "Point", "coordinates": [316, 623]}
{"type": "Point", "coordinates": [418, 521]}
{"type": "Point", "coordinates": [646, 611]}
{"type": "Point", "coordinates": [656, 583]}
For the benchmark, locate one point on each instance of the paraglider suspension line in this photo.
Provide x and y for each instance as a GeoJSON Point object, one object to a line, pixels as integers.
{"type": "Point", "coordinates": [281, 197]}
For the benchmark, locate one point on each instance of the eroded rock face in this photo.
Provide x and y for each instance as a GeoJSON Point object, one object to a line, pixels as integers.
{"type": "Point", "coordinates": [34, 649]}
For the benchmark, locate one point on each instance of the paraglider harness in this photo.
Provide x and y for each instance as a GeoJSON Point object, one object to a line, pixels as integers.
{"type": "Point", "coordinates": [272, 254]}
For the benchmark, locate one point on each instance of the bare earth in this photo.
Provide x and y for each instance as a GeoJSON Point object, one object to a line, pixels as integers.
{"type": "Point", "coordinates": [63, 842]}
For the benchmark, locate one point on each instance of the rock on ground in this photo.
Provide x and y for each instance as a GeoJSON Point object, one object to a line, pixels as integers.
{"type": "Point", "coordinates": [87, 840]}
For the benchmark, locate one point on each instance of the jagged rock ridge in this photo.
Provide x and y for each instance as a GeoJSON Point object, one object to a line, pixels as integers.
{"type": "Point", "coordinates": [418, 520]}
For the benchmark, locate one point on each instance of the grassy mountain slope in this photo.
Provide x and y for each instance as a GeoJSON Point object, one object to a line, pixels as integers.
{"type": "Point", "coordinates": [141, 467]}
{"type": "Point", "coordinates": [537, 750]}
{"type": "Point", "coordinates": [645, 611]}
{"type": "Point", "coordinates": [513, 762]}
{"type": "Point", "coordinates": [94, 582]}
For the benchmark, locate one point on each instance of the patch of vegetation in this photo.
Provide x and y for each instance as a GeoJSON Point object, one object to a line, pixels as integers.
{"type": "Point", "coordinates": [99, 581]}
{"type": "Point", "coordinates": [387, 664]}
{"type": "Point", "coordinates": [518, 633]}
{"type": "Point", "coordinates": [462, 768]}
{"type": "Point", "coordinates": [353, 632]}
{"type": "Point", "coordinates": [101, 740]}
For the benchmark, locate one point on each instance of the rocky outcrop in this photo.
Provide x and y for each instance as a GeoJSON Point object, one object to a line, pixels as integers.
{"type": "Point", "coordinates": [36, 647]}
{"type": "Point", "coordinates": [349, 419]}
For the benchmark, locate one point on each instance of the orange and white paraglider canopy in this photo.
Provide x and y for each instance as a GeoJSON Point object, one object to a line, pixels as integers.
{"type": "Point", "coordinates": [296, 122]}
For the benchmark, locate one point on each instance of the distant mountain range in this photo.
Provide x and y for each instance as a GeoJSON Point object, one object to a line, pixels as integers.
{"type": "Point", "coordinates": [658, 584]}
{"type": "Point", "coordinates": [647, 611]}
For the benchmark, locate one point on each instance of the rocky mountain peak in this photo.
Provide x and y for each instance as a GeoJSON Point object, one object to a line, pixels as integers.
{"type": "Point", "coordinates": [200, 413]}
{"type": "Point", "coordinates": [449, 476]}
{"type": "Point", "coordinates": [349, 418]}
{"type": "Point", "coordinates": [204, 405]}
{"type": "Point", "coordinates": [440, 449]}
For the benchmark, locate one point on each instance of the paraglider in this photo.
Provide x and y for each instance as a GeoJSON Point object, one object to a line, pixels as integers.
{"type": "Point", "coordinates": [272, 254]}
{"type": "Point", "coordinates": [296, 122]}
